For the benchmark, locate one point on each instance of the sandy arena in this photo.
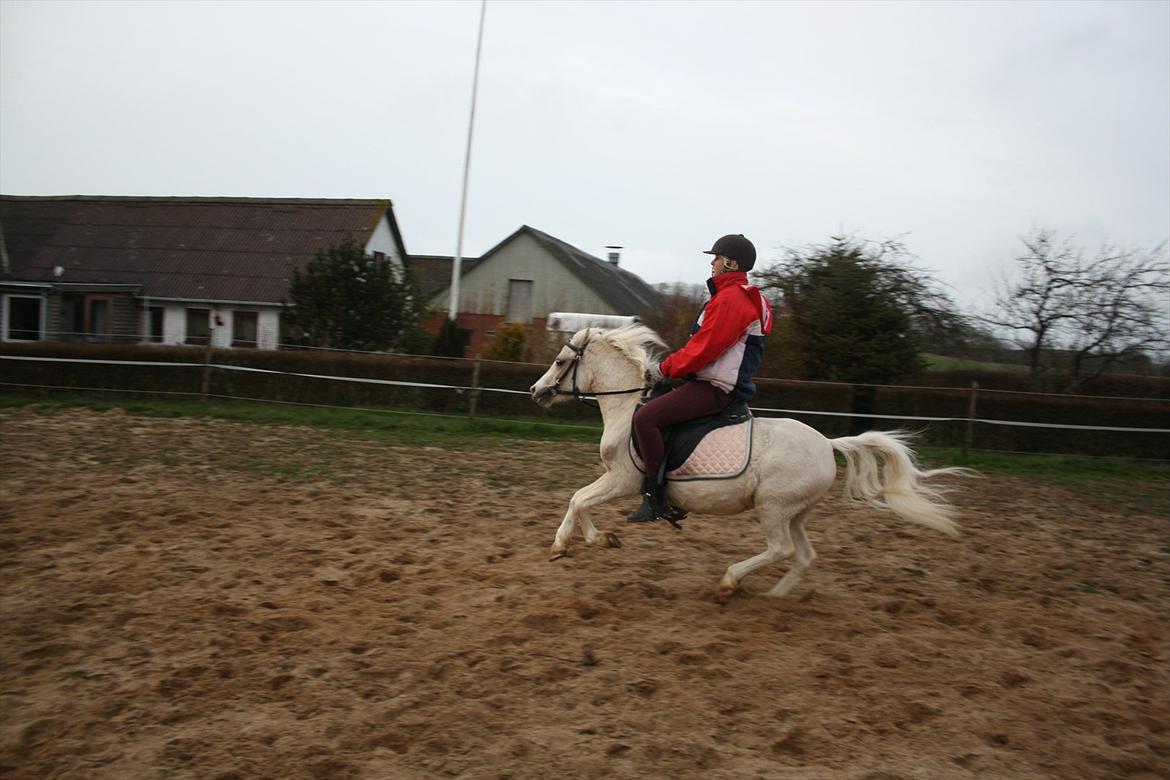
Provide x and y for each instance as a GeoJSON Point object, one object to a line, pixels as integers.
{"type": "Point", "coordinates": [206, 599]}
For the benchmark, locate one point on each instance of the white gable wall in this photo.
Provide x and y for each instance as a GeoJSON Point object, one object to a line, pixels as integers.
{"type": "Point", "coordinates": [382, 241]}
{"type": "Point", "coordinates": [484, 289]}
{"type": "Point", "coordinates": [175, 322]}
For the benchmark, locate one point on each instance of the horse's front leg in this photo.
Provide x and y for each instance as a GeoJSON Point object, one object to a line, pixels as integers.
{"type": "Point", "coordinates": [606, 487]}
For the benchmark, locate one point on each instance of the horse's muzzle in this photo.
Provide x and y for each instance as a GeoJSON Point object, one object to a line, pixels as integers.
{"type": "Point", "coordinates": [543, 396]}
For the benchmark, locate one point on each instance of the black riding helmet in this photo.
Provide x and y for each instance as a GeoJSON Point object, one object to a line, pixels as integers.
{"type": "Point", "coordinates": [735, 247]}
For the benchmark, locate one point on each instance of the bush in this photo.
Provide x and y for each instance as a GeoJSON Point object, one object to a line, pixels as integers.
{"type": "Point", "coordinates": [510, 343]}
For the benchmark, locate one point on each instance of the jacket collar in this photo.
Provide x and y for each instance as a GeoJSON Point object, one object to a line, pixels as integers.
{"type": "Point", "coordinates": [726, 279]}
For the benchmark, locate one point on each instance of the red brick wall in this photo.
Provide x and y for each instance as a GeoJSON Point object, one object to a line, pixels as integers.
{"type": "Point", "coordinates": [480, 325]}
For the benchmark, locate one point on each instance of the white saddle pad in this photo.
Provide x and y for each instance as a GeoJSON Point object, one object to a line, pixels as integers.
{"type": "Point", "coordinates": [723, 453]}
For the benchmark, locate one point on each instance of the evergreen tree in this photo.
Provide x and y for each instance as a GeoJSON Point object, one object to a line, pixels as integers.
{"type": "Point", "coordinates": [346, 299]}
{"type": "Point", "coordinates": [449, 342]}
{"type": "Point", "coordinates": [855, 310]}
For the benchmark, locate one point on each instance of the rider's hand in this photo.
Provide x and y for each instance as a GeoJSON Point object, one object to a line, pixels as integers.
{"type": "Point", "coordinates": [657, 383]}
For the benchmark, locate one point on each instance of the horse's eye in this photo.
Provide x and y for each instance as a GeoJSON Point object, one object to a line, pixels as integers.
{"type": "Point", "coordinates": [558, 362]}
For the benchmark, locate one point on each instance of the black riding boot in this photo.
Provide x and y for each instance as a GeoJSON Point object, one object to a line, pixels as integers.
{"type": "Point", "coordinates": [654, 505]}
{"type": "Point", "coordinates": [646, 512]}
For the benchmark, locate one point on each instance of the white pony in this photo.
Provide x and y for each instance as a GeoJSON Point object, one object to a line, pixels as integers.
{"type": "Point", "coordinates": [792, 466]}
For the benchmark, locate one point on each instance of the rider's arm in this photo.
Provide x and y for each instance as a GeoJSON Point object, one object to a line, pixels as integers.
{"type": "Point", "coordinates": [723, 322]}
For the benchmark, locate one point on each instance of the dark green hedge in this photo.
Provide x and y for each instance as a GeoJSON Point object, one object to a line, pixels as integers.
{"type": "Point", "coordinates": [783, 394]}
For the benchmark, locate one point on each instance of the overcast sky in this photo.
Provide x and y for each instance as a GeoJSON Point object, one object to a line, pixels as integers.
{"type": "Point", "coordinates": [657, 126]}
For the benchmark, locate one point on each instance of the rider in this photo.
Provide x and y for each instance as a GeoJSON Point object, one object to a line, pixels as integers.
{"type": "Point", "coordinates": [720, 358]}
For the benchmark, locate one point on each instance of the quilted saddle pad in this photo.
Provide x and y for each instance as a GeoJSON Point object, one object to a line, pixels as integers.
{"type": "Point", "coordinates": [723, 453]}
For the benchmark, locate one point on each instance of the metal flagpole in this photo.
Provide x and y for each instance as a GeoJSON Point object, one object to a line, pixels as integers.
{"type": "Point", "coordinates": [453, 307]}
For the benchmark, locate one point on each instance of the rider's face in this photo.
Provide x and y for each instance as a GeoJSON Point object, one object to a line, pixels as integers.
{"type": "Point", "coordinates": [719, 265]}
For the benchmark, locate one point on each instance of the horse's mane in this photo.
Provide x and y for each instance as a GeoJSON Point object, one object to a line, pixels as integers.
{"type": "Point", "coordinates": [637, 342]}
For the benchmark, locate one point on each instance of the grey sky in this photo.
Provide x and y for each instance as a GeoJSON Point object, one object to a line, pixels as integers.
{"type": "Point", "coordinates": [658, 126]}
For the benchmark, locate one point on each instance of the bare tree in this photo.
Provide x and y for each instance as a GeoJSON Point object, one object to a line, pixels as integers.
{"type": "Point", "coordinates": [1103, 308]}
{"type": "Point", "coordinates": [1122, 312]}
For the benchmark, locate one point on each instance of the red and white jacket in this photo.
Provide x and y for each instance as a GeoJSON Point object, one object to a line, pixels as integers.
{"type": "Point", "coordinates": [727, 340]}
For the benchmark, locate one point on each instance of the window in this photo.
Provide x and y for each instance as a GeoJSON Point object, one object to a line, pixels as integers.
{"type": "Point", "coordinates": [519, 300]}
{"type": "Point", "coordinates": [244, 329]}
{"type": "Point", "coordinates": [198, 331]}
{"type": "Point", "coordinates": [23, 322]}
{"type": "Point", "coordinates": [154, 324]}
{"type": "Point", "coordinates": [73, 317]}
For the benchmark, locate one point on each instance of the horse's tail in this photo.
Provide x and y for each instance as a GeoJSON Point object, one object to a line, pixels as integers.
{"type": "Point", "coordinates": [896, 483]}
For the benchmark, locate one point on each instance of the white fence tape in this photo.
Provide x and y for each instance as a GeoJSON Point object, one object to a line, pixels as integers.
{"type": "Point", "coordinates": [82, 360]}
{"type": "Point", "coordinates": [466, 388]}
{"type": "Point", "coordinates": [965, 419]}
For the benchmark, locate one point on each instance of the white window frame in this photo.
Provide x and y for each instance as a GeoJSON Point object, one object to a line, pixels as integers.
{"type": "Point", "coordinates": [187, 322]}
{"type": "Point", "coordinates": [236, 317]}
{"type": "Point", "coordinates": [8, 316]}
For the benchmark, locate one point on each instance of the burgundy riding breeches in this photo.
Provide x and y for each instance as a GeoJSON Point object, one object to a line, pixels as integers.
{"type": "Point", "coordinates": [691, 401]}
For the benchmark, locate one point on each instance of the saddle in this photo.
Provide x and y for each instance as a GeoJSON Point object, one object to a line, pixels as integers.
{"type": "Point", "coordinates": [691, 454]}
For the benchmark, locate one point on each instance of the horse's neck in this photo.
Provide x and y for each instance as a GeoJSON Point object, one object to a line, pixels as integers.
{"type": "Point", "coordinates": [617, 414]}
{"type": "Point", "coordinates": [617, 411]}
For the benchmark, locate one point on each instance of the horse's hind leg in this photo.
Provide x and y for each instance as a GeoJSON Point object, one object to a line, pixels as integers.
{"type": "Point", "coordinates": [805, 555]}
{"type": "Point", "coordinates": [775, 523]}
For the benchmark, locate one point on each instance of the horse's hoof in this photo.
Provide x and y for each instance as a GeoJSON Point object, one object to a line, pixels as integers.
{"type": "Point", "coordinates": [612, 540]}
{"type": "Point", "coordinates": [725, 592]}
{"type": "Point", "coordinates": [556, 554]}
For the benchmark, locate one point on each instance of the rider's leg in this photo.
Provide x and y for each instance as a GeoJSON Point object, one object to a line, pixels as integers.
{"type": "Point", "coordinates": [691, 400]}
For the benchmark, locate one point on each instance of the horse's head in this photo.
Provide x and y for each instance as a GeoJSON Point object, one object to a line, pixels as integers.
{"type": "Point", "coordinates": [596, 361]}
{"type": "Point", "coordinates": [568, 370]}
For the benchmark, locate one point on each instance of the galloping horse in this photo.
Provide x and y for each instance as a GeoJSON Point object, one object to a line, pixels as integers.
{"type": "Point", "coordinates": [791, 467]}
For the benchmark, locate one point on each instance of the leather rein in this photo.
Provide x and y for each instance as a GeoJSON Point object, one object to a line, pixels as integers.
{"type": "Point", "coordinates": [587, 398]}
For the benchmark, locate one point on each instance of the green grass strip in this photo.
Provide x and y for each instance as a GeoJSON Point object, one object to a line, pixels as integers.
{"type": "Point", "coordinates": [418, 427]}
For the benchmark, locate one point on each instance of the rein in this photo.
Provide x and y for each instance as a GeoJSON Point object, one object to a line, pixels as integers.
{"type": "Point", "coordinates": [585, 398]}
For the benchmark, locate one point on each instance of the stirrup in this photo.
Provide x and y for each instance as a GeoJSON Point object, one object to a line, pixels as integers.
{"type": "Point", "coordinates": [672, 515]}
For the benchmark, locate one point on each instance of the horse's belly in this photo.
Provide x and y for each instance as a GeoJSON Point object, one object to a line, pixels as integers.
{"type": "Point", "coordinates": [713, 496]}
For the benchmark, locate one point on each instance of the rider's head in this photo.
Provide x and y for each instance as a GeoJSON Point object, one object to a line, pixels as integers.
{"type": "Point", "coordinates": [734, 252]}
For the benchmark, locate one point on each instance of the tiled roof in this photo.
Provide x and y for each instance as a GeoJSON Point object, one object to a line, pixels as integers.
{"type": "Point", "coordinates": [242, 249]}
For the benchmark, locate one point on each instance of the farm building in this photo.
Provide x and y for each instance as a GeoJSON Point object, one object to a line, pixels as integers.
{"type": "Point", "coordinates": [168, 270]}
{"type": "Point", "coordinates": [525, 278]}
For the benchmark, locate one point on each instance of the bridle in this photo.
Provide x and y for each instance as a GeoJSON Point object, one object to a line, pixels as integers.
{"type": "Point", "coordinates": [587, 398]}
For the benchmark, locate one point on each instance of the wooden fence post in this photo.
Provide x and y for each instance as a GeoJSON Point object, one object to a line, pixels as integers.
{"type": "Point", "coordinates": [969, 438]}
{"type": "Point", "coordinates": [206, 384]}
{"type": "Point", "coordinates": [473, 396]}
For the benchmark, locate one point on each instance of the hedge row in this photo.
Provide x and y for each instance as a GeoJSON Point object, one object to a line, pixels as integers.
{"type": "Point", "coordinates": [780, 394]}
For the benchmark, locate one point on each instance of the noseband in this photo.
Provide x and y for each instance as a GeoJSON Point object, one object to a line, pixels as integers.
{"type": "Point", "coordinates": [587, 399]}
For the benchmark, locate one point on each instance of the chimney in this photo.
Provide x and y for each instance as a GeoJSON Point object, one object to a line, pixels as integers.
{"type": "Point", "coordinates": [615, 254]}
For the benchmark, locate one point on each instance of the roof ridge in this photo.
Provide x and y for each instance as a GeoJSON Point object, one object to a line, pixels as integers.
{"type": "Point", "coordinates": [578, 259]}
{"type": "Point", "coordinates": [200, 199]}
{"type": "Point", "coordinates": [565, 244]}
